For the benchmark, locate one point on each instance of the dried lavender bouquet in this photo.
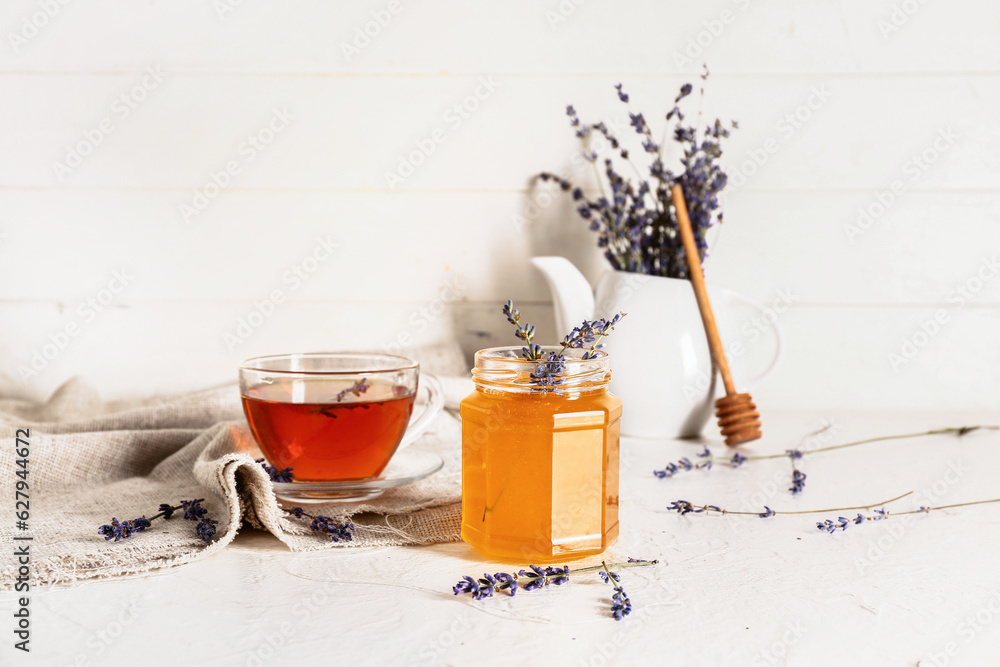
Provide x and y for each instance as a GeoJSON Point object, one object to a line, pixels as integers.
{"type": "Point", "coordinates": [634, 219]}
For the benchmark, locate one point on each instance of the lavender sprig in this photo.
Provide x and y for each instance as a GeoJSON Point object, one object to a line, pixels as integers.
{"type": "Point", "coordinates": [284, 475]}
{"type": "Point", "coordinates": [536, 577]}
{"type": "Point", "coordinates": [124, 529]}
{"type": "Point", "coordinates": [685, 464]}
{"type": "Point", "coordinates": [842, 523]}
{"type": "Point", "coordinates": [358, 388]}
{"type": "Point", "coordinates": [193, 511]}
{"type": "Point", "coordinates": [683, 507]}
{"type": "Point", "coordinates": [882, 514]}
{"type": "Point", "coordinates": [336, 531]}
{"type": "Point", "coordinates": [634, 221]}
{"type": "Point", "coordinates": [590, 333]}
{"type": "Point", "coordinates": [798, 481]}
{"type": "Point", "coordinates": [832, 526]}
{"type": "Point", "coordinates": [621, 606]}
{"type": "Point", "coordinates": [479, 590]}
{"type": "Point", "coordinates": [206, 528]}
{"type": "Point", "coordinates": [798, 477]}
{"type": "Point", "coordinates": [829, 525]}
{"type": "Point", "coordinates": [525, 332]}
{"type": "Point", "coordinates": [549, 373]}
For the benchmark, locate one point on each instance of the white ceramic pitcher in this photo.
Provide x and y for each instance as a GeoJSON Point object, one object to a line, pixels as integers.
{"type": "Point", "coordinates": [661, 366]}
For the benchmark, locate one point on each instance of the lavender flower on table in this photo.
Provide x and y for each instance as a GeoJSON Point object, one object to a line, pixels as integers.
{"type": "Point", "coordinates": [536, 577]}
{"type": "Point", "coordinates": [685, 463]}
{"type": "Point", "coordinates": [798, 482]}
{"type": "Point", "coordinates": [608, 578]}
{"type": "Point", "coordinates": [683, 507]}
{"type": "Point", "coordinates": [799, 477]}
{"type": "Point", "coordinates": [507, 582]}
{"type": "Point", "coordinates": [635, 221]}
{"type": "Point", "coordinates": [471, 586]}
{"type": "Point", "coordinates": [193, 511]}
{"type": "Point", "coordinates": [621, 606]}
{"type": "Point", "coordinates": [842, 523]}
{"type": "Point", "coordinates": [832, 526]}
{"type": "Point", "coordinates": [829, 525]}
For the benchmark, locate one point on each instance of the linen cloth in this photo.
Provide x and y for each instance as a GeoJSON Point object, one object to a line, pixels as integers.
{"type": "Point", "coordinates": [90, 461]}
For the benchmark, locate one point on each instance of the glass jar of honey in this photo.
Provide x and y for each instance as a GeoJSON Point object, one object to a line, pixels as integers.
{"type": "Point", "coordinates": [540, 461]}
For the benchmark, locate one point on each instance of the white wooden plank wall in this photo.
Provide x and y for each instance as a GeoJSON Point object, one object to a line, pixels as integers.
{"type": "Point", "coordinates": [215, 151]}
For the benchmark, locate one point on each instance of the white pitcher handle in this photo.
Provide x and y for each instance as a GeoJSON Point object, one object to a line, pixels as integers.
{"type": "Point", "coordinates": [779, 333]}
{"type": "Point", "coordinates": [435, 401]}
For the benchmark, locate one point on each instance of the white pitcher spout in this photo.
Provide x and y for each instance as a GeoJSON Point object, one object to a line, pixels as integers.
{"type": "Point", "coordinates": [571, 293]}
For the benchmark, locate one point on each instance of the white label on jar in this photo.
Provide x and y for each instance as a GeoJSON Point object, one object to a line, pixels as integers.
{"type": "Point", "coordinates": [577, 481]}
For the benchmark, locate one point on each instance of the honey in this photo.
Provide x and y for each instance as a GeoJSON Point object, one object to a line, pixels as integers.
{"type": "Point", "coordinates": [539, 464]}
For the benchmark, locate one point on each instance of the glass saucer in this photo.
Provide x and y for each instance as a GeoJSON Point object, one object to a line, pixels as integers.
{"type": "Point", "coordinates": [406, 467]}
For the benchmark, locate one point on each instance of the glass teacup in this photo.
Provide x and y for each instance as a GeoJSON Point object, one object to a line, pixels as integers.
{"type": "Point", "coordinates": [334, 416]}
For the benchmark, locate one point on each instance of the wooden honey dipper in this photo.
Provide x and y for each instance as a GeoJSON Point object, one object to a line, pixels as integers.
{"type": "Point", "coordinates": [738, 417]}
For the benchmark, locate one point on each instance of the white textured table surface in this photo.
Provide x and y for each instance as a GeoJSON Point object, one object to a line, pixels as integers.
{"type": "Point", "coordinates": [728, 591]}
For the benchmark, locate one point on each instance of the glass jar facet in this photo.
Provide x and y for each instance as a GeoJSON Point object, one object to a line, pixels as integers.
{"type": "Point", "coordinates": [539, 464]}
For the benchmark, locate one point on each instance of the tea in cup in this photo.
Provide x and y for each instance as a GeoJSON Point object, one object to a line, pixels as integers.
{"type": "Point", "coordinates": [334, 416]}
